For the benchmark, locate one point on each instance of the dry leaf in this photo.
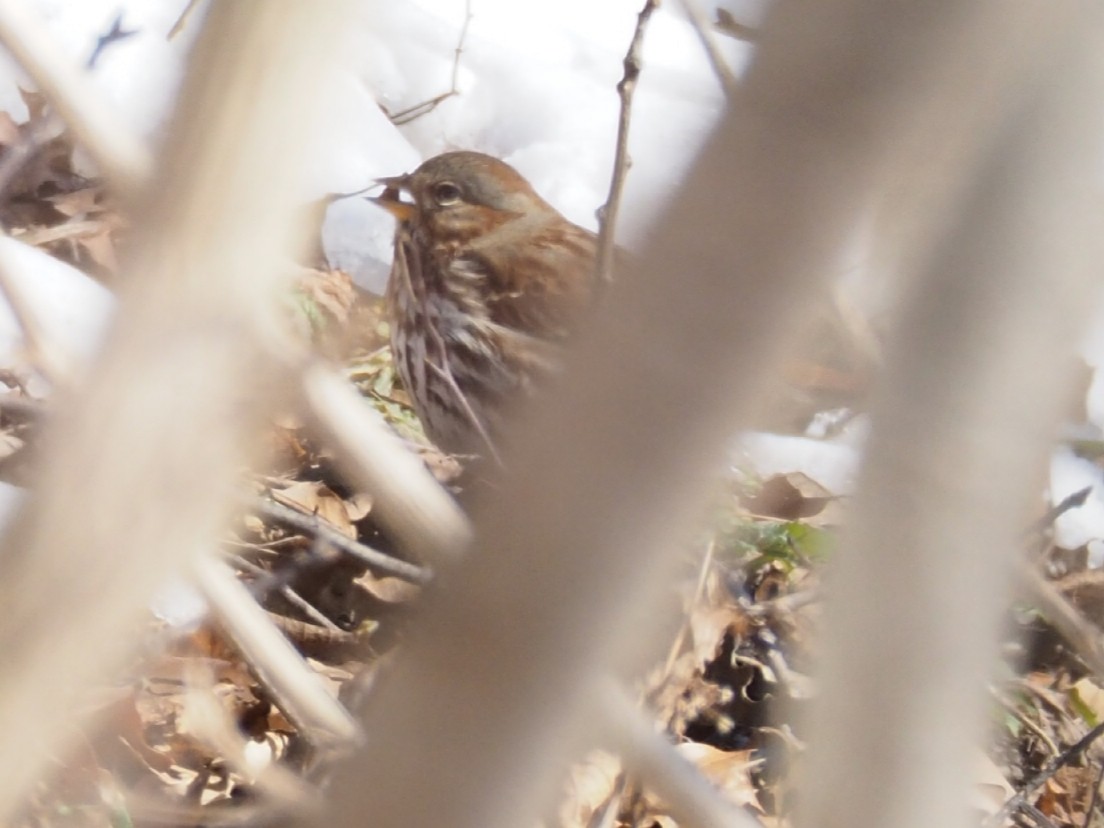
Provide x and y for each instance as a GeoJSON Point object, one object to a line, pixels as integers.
{"type": "Point", "coordinates": [788, 497]}
{"type": "Point", "coordinates": [388, 589]}
{"type": "Point", "coordinates": [728, 770]}
{"type": "Point", "coordinates": [591, 784]}
{"type": "Point", "coordinates": [9, 130]}
{"type": "Point", "coordinates": [319, 500]}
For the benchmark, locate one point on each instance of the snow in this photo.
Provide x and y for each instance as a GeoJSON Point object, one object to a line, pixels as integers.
{"type": "Point", "coordinates": [536, 87]}
{"type": "Point", "coordinates": [72, 309]}
{"type": "Point", "coordinates": [1084, 525]}
{"type": "Point", "coordinates": [831, 463]}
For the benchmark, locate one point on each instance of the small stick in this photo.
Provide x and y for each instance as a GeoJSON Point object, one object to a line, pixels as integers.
{"type": "Point", "coordinates": [1073, 501]}
{"type": "Point", "coordinates": [425, 107]}
{"type": "Point", "coordinates": [266, 581]}
{"type": "Point", "coordinates": [1011, 708]}
{"type": "Point", "coordinates": [294, 686]}
{"type": "Point", "coordinates": [699, 591]}
{"type": "Point", "coordinates": [1052, 767]}
{"type": "Point", "coordinates": [725, 75]}
{"type": "Point", "coordinates": [182, 21]}
{"type": "Point", "coordinates": [316, 527]}
{"type": "Point", "coordinates": [607, 215]}
{"type": "Point", "coordinates": [1095, 799]}
{"type": "Point", "coordinates": [1082, 636]}
{"type": "Point", "coordinates": [113, 35]}
{"type": "Point", "coordinates": [314, 640]}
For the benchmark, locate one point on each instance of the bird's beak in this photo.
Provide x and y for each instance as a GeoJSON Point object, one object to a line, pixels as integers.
{"type": "Point", "coordinates": [390, 199]}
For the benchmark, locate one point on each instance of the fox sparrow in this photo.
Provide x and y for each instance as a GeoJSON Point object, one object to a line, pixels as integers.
{"type": "Point", "coordinates": [486, 283]}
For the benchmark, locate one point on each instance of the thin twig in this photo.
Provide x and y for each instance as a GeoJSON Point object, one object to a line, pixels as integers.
{"type": "Point", "coordinates": [1052, 767]}
{"type": "Point", "coordinates": [1072, 501]}
{"type": "Point", "coordinates": [1037, 816]}
{"type": "Point", "coordinates": [269, 582]}
{"type": "Point", "coordinates": [1095, 799]}
{"type": "Point", "coordinates": [1010, 706]}
{"type": "Point", "coordinates": [699, 591]}
{"type": "Point", "coordinates": [316, 527]}
{"type": "Point", "coordinates": [729, 25]}
{"type": "Point", "coordinates": [25, 409]}
{"type": "Point", "coordinates": [39, 132]}
{"type": "Point", "coordinates": [182, 20]}
{"type": "Point", "coordinates": [113, 35]}
{"type": "Point", "coordinates": [1078, 633]}
{"type": "Point", "coordinates": [607, 215]}
{"type": "Point", "coordinates": [724, 73]}
{"type": "Point", "coordinates": [425, 107]}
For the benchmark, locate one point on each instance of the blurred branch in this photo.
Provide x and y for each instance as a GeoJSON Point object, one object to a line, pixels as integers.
{"type": "Point", "coordinates": [408, 501]}
{"type": "Point", "coordinates": [961, 383]}
{"type": "Point", "coordinates": [607, 215]}
{"type": "Point", "coordinates": [1077, 631]}
{"type": "Point", "coordinates": [138, 468]}
{"type": "Point", "coordinates": [1052, 767]}
{"type": "Point", "coordinates": [182, 19]}
{"type": "Point", "coordinates": [692, 799]}
{"type": "Point", "coordinates": [295, 687]}
{"type": "Point", "coordinates": [733, 28]}
{"type": "Point", "coordinates": [724, 74]}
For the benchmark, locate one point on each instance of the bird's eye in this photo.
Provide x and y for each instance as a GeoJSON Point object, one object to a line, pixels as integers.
{"type": "Point", "coordinates": [446, 193]}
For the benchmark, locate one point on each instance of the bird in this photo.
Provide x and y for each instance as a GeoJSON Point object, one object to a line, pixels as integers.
{"type": "Point", "coordinates": [487, 285]}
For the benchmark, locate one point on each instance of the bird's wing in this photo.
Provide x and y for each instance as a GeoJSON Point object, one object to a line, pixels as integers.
{"type": "Point", "coordinates": [539, 286]}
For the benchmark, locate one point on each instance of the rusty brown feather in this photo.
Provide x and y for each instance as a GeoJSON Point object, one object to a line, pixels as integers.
{"type": "Point", "coordinates": [487, 282]}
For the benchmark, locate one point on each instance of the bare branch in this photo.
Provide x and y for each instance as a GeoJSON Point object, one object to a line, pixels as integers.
{"type": "Point", "coordinates": [725, 75]}
{"type": "Point", "coordinates": [182, 20]}
{"type": "Point", "coordinates": [1052, 767]}
{"type": "Point", "coordinates": [113, 35]}
{"type": "Point", "coordinates": [314, 526]}
{"type": "Point", "coordinates": [607, 215]}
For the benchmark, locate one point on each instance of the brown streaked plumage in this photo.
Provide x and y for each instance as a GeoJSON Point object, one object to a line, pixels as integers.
{"type": "Point", "coordinates": [487, 281]}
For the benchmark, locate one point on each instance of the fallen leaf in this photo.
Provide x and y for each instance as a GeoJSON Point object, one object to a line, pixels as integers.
{"type": "Point", "coordinates": [388, 589]}
{"type": "Point", "coordinates": [590, 785]}
{"type": "Point", "coordinates": [317, 499]}
{"type": "Point", "coordinates": [788, 497]}
{"type": "Point", "coordinates": [730, 771]}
